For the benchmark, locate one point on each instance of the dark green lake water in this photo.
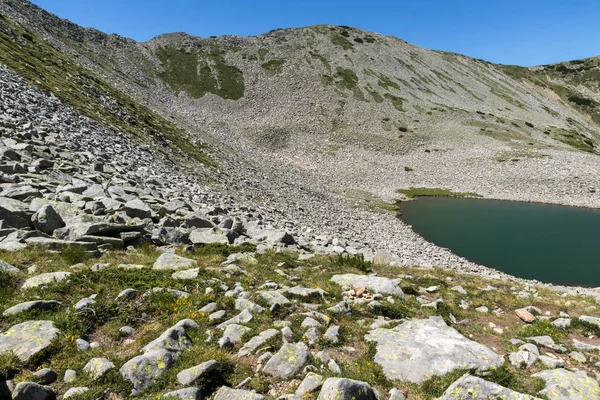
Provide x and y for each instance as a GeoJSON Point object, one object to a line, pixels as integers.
{"type": "Point", "coordinates": [554, 244]}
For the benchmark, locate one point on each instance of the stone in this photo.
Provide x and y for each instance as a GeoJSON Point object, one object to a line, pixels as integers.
{"type": "Point", "coordinates": [473, 388]}
{"type": "Point", "coordinates": [82, 345]}
{"type": "Point", "coordinates": [70, 376]}
{"type": "Point", "coordinates": [562, 384]}
{"type": "Point", "coordinates": [590, 320]}
{"type": "Point", "coordinates": [257, 341]}
{"type": "Point", "coordinates": [217, 316]}
{"type": "Point", "coordinates": [97, 367]}
{"type": "Point", "coordinates": [171, 261]}
{"type": "Point", "coordinates": [37, 305]}
{"type": "Point", "coordinates": [146, 369]}
{"type": "Point", "coordinates": [137, 209]}
{"type": "Point", "coordinates": [563, 323]}
{"type": "Point", "coordinates": [32, 391]}
{"type": "Point", "coordinates": [47, 219]}
{"type": "Point", "coordinates": [311, 383]}
{"type": "Point", "coordinates": [523, 359]}
{"type": "Point", "coordinates": [186, 274]}
{"type": "Point", "coordinates": [6, 267]}
{"type": "Point", "coordinates": [551, 362]}
{"type": "Point", "coordinates": [341, 308]}
{"type": "Point", "coordinates": [190, 375]}
{"type": "Point", "coordinates": [76, 391]}
{"type": "Point", "coordinates": [346, 389]}
{"type": "Point", "coordinates": [233, 334]}
{"type": "Point", "coordinates": [245, 304]}
{"type": "Point", "coordinates": [58, 244]}
{"type": "Point", "coordinates": [45, 376]}
{"type": "Point", "coordinates": [225, 393]}
{"type": "Point", "coordinates": [86, 302]}
{"type": "Point", "coordinates": [309, 322]}
{"type": "Point", "coordinates": [45, 279]}
{"type": "Point", "coordinates": [127, 330]}
{"type": "Point", "coordinates": [191, 393]}
{"type": "Point", "coordinates": [274, 298]}
{"type": "Point", "coordinates": [577, 357]}
{"type": "Point", "coordinates": [242, 318]}
{"type": "Point", "coordinates": [418, 349]}
{"type": "Point", "coordinates": [208, 236]}
{"type": "Point", "coordinates": [396, 394]}
{"type": "Point", "coordinates": [286, 363]}
{"type": "Point", "coordinates": [173, 339]}
{"type": "Point", "coordinates": [29, 338]}
{"type": "Point", "coordinates": [374, 284]}
{"type": "Point", "coordinates": [525, 315]}
{"type": "Point", "coordinates": [332, 334]}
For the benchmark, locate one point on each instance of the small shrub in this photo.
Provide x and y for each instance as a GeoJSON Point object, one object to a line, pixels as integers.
{"type": "Point", "coordinates": [403, 129]}
{"type": "Point", "coordinates": [408, 169]}
{"type": "Point", "coordinates": [358, 40]}
{"type": "Point", "coordinates": [529, 124]}
{"type": "Point", "coordinates": [353, 261]}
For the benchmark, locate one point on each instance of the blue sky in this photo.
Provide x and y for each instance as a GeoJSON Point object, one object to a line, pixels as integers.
{"type": "Point", "coordinates": [524, 32]}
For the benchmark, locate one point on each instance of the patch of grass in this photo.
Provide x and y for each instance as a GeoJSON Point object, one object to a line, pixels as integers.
{"type": "Point", "coordinates": [342, 42]}
{"type": "Point", "coordinates": [397, 102]}
{"type": "Point", "coordinates": [425, 192]}
{"type": "Point", "coordinates": [353, 261]}
{"type": "Point", "coordinates": [273, 67]}
{"type": "Point", "coordinates": [542, 327]}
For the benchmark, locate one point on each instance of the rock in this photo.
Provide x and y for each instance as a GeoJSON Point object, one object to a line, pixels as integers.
{"type": "Point", "coordinates": [45, 376]}
{"type": "Point", "coordinates": [332, 334]}
{"type": "Point", "coordinates": [47, 219]}
{"type": "Point", "coordinates": [185, 394]}
{"type": "Point", "coordinates": [525, 315]}
{"type": "Point", "coordinates": [208, 236]}
{"type": "Point", "coordinates": [233, 334]}
{"type": "Point", "coordinates": [76, 391]}
{"type": "Point", "coordinates": [257, 341]}
{"type": "Point", "coordinates": [309, 322]}
{"type": "Point", "coordinates": [57, 244]}
{"type": "Point", "coordinates": [311, 383]}
{"type": "Point", "coordinates": [6, 267]}
{"type": "Point", "coordinates": [286, 363]}
{"type": "Point", "coordinates": [274, 298]}
{"type": "Point", "coordinates": [396, 394]}
{"type": "Point", "coordinates": [82, 345]}
{"type": "Point", "coordinates": [147, 368]}
{"type": "Point", "coordinates": [305, 292]}
{"type": "Point", "coordinates": [28, 338]}
{"type": "Point", "coordinates": [346, 389]}
{"type": "Point", "coordinates": [97, 367]}
{"type": "Point", "coordinates": [341, 308]}
{"type": "Point", "coordinates": [225, 393]}
{"type": "Point", "coordinates": [210, 307]}
{"type": "Point", "coordinates": [32, 391]}
{"type": "Point", "coordinates": [242, 318]}
{"type": "Point", "coordinates": [127, 330]}
{"type": "Point", "coordinates": [523, 359]}
{"type": "Point", "coordinates": [562, 384]}
{"type": "Point", "coordinates": [563, 323]}
{"type": "Point", "coordinates": [577, 357]}
{"type": "Point", "coordinates": [171, 261]}
{"type": "Point", "coordinates": [590, 320]}
{"type": "Point", "coordinates": [45, 279]}
{"type": "Point", "coordinates": [190, 375]}
{"type": "Point", "coordinates": [137, 209]}
{"type": "Point", "coordinates": [70, 376]}
{"type": "Point", "coordinates": [173, 339]}
{"type": "Point", "coordinates": [244, 304]}
{"type": "Point", "coordinates": [186, 274]}
{"type": "Point", "coordinates": [21, 192]}
{"type": "Point", "coordinates": [473, 388]}
{"type": "Point", "coordinates": [37, 305]}
{"type": "Point", "coordinates": [374, 284]}
{"type": "Point", "coordinates": [85, 303]}
{"type": "Point", "coordinates": [420, 348]}
{"type": "Point", "coordinates": [217, 316]}
{"type": "Point", "coordinates": [552, 362]}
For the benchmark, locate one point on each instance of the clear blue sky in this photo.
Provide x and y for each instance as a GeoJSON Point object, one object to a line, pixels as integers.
{"type": "Point", "coordinates": [524, 32]}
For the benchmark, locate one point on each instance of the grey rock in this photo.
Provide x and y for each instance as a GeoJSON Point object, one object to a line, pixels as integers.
{"type": "Point", "coordinates": [173, 339]}
{"type": "Point", "coordinates": [341, 308]}
{"type": "Point", "coordinates": [242, 318]}
{"type": "Point", "coordinates": [186, 274]}
{"type": "Point", "coordinates": [146, 369]}
{"type": "Point", "coordinates": [374, 284]}
{"type": "Point", "coordinates": [562, 385]}
{"type": "Point", "coordinates": [70, 376]}
{"type": "Point", "coordinates": [473, 388]}
{"type": "Point", "coordinates": [217, 316]}
{"type": "Point", "coordinates": [210, 307]}
{"type": "Point", "coordinates": [552, 362]}
{"type": "Point", "coordinates": [273, 297]}
{"type": "Point", "coordinates": [577, 356]}
{"type": "Point", "coordinates": [346, 389]}
{"type": "Point", "coordinates": [47, 219]}
{"type": "Point", "coordinates": [311, 383]}
{"type": "Point", "coordinates": [287, 361]}
{"type": "Point", "coordinates": [97, 367]}
{"type": "Point", "coordinates": [190, 375]}
{"type": "Point", "coordinates": [191, 393]}
{"type": "Point", "coordinates": [137, 209]}
{"type": "Point", "coordinates": [590, 320]}
{"type": "Point", "coordinates": [58, 244]}
{"type": "Point", "coordinates": [32, 391]}
{"type": "Point", "coordinates": [396, 394]}
{"type": "Point", "coordinates": [257, 341]}
{"type": "Point", "coordinates": [28, 338]}
{"type": "Point", "coordinates": [225, 393]}
{"type": "Point", "coordinates": [37, 305]}
{"type": "Point", "coordinates": [127, 330]}
{"type": "Point", "coordinates": [420, 348]}
{"type": "Point", "coordinates": [86, 302]}
{"type": "Point", "coordinates": [245, 304]}
{"type": "Point", "coordinates": [6, 267]}
{"type": "Point", "coordinates": [82, 345]}
{"type": "Point", "coordinates": [563, 323]}
{"type": "Point", "coordinates": [45, 376]}
{"type": "Point", "coordinates": [208, 236]}
{"type": "Point", "coordinates": [76, 391]}
{"type": "Point", "coordinates": [233, 334]}
{"type": "Point", "coordinates": [523, 359]}
{"type": "Point", "coordinates": [332, 334]}
{"type": "Point", "coordinates": [171, 261]}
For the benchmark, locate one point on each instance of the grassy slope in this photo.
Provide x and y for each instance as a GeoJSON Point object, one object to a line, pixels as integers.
{"type": "Point", "coordinates": [151, 315]}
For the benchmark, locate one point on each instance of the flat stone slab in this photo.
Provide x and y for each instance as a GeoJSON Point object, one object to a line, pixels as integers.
{"type": "Point", "coordinates": [257, 341]}
{"type": "Point", "coordinates": [6, 267]}
{"type": "Point", "coordinates": [57, 244]}
{"type": "Point", "coordinates": [171, 261]}
{"type": "Point", "coordinates": [472, 388]}
{"type": "Point", "coordinates": [288, 361]}
{"type": "Point", "coordinates": [562, 385]}
{"type": "Point", "coordinates": [45, 279]}
{"type": "Point", "coordinates": [374, 284]}
{"type": "Point", "coordinates": [346, 389]}
{"type": "Point", "coordinates": [144, 370]}
{"type": "Point", "coordinates": [28, 338]}
{"type": "Point", "coordinates": [225, 393]}
{"type": "Point", "coordinates": [38, 305]}
{"type": "Point", "coordinates": [418, 349]}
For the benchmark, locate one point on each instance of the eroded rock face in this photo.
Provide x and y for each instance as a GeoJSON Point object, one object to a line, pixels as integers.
{"type": "Point", "coordinates": [420, 348]}
{"type": "Point", "coordinates": [28, 338]}
{"type": "Point", "coordinates": [346, 389]}
{"type": "Point", "coordinates": [562, 384]}
{"type": "Point", "coordinates": [473, 388]}
{"type": "Point", "coordinates": [374, 284]}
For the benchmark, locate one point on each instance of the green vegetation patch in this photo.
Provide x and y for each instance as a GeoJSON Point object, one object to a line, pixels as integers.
{"type": "Point", "coordinates": [434, 192]}
{"type": "Point", "coordinates": [273, 67]}
{"type": "Point", "coordinates": [341, 41]}
{"type": "Point", "coordinates": [197, 73]}
{"type": "Point", "coordinates": [397, 102]}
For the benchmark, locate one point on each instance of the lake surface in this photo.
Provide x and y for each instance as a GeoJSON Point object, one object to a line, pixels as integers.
{"type": "Point", "coordinates": [554, 244]}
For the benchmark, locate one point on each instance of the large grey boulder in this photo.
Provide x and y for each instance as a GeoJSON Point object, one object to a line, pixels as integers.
{"type": "Point", "coordinates": [37, 305]}
{"type": "Point", "coordinates": [233, 334]}
{"type": "Point", "coordinates": [171, 261]}
{"type": "Point", "coordinates": [257, 341]}
{"type": "Point", "coordinates": [274, 298]}
{"type": "Point", "coordinates": [191, 393]}
{"type": "Point", "coordinates": [13, 219]}
{"type": "Point", "coordinates": [311, 383]}
{"type": "Point", "coordinates": [288, 361]}
{"type": "Point", "coordinates": [32, 391]}
{"type": "Point", "coordinates": [137, 209]}
{"type": "Point", "coordinates": [225, 393]}
{"type": "Point", "coordinates": [209, 236]}
{"type": "Point", "coordinates": [418, 349]}
{"type": "Point", "coordinates": [346, 389]}
{"type": "Point", "coordinates": [374, 284]}
{"type": "Point", "coordinates": [562, 384]}
{"type": "Point", "coordinates": [590, 320]}
{"type": "Point", "coordinates": [146, 369]}
{"type": "Point", "coordinates": [190, 375]}
{"type": "Point", "coordinates": [47, 220]}
{"type": "Point", "coordinates": [6, 267]}
{"type": "Point", "coordinates": [242, 318]}
{"type": "Point", "coordinates": [45, 279]}
{"type": "Point", "coordinates": [97, 367]}
{"type": "Point", "coordinates": [173, 339]}
{"type": "Point", "coordinates": [472, 388]}
{"type": "Point", "coordinates": [28, 338]}
{"type": "Point", "coordinates": [76, 391]}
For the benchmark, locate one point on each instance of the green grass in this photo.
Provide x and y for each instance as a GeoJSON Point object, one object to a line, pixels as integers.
{"type": "Point", "coordinates": [437, 192]}
{"type": "Point", "coordinates": [273, 67]}
{"type": "Point", "coordinates": [341, 41]}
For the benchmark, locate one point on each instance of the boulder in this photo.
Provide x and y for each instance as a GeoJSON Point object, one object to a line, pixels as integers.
{"type": "Point", "coordinates": [45, 279]}
{"type": "Point", "coordinates": [346, 389]}
{"type": "Point", "coordinates": [225, 393]}
{"type": "Point", "coordinates": [32, 391]}
{"type": "Point", "coordinates": [288, 361]}
{"type": "Point", "coordinates": [374, 284]}
{"type": "Point", "coordinates": [171, 261]}
{"type": "Point", "coordinates": [562, 384]}
{"type": "Point", "coordinates": [137, 209]}
{"type": "Point", "coordinates": [257, 341]}
{"type": "Point", "coordinates": [191, 393]}
{"type": "Point", "coordinates": [57, 244]}
{"type": "Point", "coordinates": [209, 236]}
{"type": "Point", "coordinates": [146, 369]}
{"type": "Point", "coordinates": [97, 367]}
{"type": "Point", "coordinates": [311, 383]}
{"type": "Point", "coordinates": [418, 349]}
{"type": "Point", "coordinates": [233, 334]}
{"type": "Point", "coordinates": [76, 391]}
{"type": "Point", "coordinates": [28, 338]}
{"type": "Point", "coordinates": [37, 305]}
{"type": "Point", "coordinates": [47, 219]}
{"type": "Point", "coordinates": [472, 388]}
{"type": "Point", "coordinates": [45, 376]}
{"type": "Point", "coordinates": [6, 267]}
{"type": "Point", "coordinates": [190, 375]}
